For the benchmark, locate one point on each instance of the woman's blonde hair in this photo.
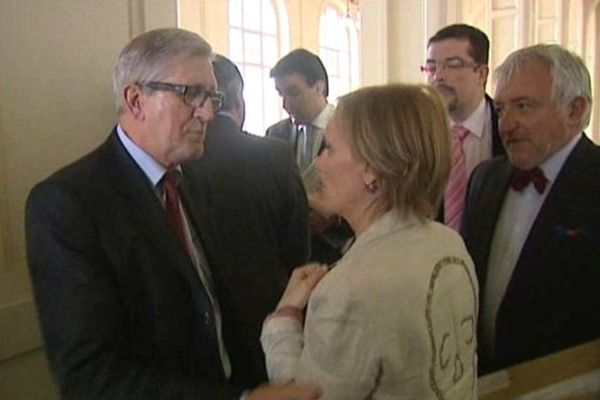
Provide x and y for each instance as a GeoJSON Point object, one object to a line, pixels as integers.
{"type": "Point", "coordinates": [402, 133]}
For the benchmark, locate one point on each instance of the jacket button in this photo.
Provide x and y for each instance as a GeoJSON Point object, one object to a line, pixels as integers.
{"type": "Point", "coordinates": [206, 318]}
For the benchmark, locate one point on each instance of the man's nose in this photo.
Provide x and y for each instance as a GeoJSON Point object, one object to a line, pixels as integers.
{"type": "Point", "coordinates": [439, 74]}
{"type": "Point", "coordinates": [205, 112]}
{"type": "Point", "coordinates": [506, 121]}
{"type": "Point", "coordinates": [286, 103]}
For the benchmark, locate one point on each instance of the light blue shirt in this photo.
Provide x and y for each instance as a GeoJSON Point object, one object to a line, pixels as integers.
{"type": "Point", "coordinates": [153, 170]}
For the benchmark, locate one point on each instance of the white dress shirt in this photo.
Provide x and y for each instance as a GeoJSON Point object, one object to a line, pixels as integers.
{"type": "Point", "coordinates": [309, 143]}
{"type": "Point", "coordinates": [478, 143]}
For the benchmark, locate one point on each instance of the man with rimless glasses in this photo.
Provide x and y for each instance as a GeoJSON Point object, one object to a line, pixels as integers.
{"type": "Point", "coordinates": [118, 248]}
{"type": "Point", "coordinates": [457, 58]}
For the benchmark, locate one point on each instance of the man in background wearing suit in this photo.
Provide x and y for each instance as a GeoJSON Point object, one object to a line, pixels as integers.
{"type": "Point", "coordinates": [252, 188]}
{"type": "Point", "coordinates": [119, 252]}
{"type": "Point", "coordinates": [302, 82]}
{"type": "Point", "coordinates": [532, 220]}
{"type": "Point", "coordinates": [457, 58]}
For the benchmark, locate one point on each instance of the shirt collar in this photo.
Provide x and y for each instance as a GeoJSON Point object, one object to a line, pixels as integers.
{"type": "Point", "coordinates": [554, 163]}
{"type": "Point", "coordinates": [476, 121]}
{"type": "Point", "coordinates": [227, 114]}
{"type": "Point", "coordinates": [389, 222]}
{"type": "Point", "coordinates": [153, 170]}
{"type": "Point", "coordinates": [324, 116]}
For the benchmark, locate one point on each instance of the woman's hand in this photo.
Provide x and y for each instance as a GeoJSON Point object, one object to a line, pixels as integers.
{"type": "Point", "coordinates": [301, 284]}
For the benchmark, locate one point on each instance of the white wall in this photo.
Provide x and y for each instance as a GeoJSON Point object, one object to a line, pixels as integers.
{"type": "Point", "coordinates": [56, 103]}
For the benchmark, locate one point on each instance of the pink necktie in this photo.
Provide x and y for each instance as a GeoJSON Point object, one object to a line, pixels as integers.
{"type": "Point", "coordinates": [454, 196]}
{"type": "Point", "coordinates": [173, 207]}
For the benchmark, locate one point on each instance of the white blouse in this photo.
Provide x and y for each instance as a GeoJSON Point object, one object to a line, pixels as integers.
{"type": "Point", "coordinates": [395, 319]}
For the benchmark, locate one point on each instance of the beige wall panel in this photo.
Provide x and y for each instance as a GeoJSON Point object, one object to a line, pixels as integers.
{"type": "Point", "coordinates": [503, 4]}
{"type": "Point", "coordinates": [56, 103]}
{"type": "Point", "coordinates": [406, 40]}
{"type": "Point", "coordinates": [373, 42]}
{"type": "Point", "coordinates": [475, 13]}
{"type": "Point", "coordinates": [547, 9]}
{"type": "Point", "coordinates": [503, 33]}
{"type": "Point", "coordinates": [574, 26]}
{"type": "Point", "coordinates": [191, 15]}
{"type": "Point", "coordinates": [27, 378]}
{"type": "Point", "coordinates": [547, 21]}
{"type": "Point", "coordinates": [55, 99]}
{"type": "Point", "coordinates": [546, 33]}
{"type": "Point", "coordinates": [13, 319]}
{"type": "Point", "coordinates": [208, 18]}
{"type": "Point", "coordinates": [593, 61]}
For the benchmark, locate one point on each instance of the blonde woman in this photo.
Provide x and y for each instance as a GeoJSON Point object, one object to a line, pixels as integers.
{"type": "Point", "coordinates": [396, 317]}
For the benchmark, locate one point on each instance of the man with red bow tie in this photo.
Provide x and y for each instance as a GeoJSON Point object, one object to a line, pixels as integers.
{"type": "Point", "coordinates": [532, 218]}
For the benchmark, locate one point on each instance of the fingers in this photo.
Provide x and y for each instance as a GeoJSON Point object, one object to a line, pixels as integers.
{"type": "Point", "coordinates": [304, 392]}
{"type": "Point", "coordinates": [314, 276]}
{"type": "Point", "coordinates": [301, 284]}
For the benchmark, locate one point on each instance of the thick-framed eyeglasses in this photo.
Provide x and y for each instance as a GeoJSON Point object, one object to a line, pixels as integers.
{"type": "Point", "coordinates": [193, 96]}
{"type": "Point", "coordinates": [450, 64]}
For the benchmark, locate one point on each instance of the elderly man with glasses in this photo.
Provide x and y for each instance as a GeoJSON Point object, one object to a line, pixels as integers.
{"type": "Point", "coordinates": [118, 249]}
{"type": "Point", "coordinates": [456, 65]}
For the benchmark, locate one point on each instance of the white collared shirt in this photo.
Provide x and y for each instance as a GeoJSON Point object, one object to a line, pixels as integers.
{"type": "Point", "coordinates": [517, 215]}
{"type": "Point", "coordinates": [317, 128]}
{"type": "Point", "coordinates": [478, 143]}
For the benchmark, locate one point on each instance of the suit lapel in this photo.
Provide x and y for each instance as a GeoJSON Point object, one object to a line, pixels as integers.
{"type": "Point", "coordinates": [489, 210]}
{"type": "Point", "coordinates": [497, 146]}
{"type": "Point", "coordinates": [554, 212]}
{"type": "Point", "coordinates": [191, 194]}
{"type": "Point", "coordinates": [145, 209]}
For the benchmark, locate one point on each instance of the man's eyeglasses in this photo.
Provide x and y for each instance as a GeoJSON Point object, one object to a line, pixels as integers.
{"type": "Point", "coordinates": [193, 96]}
{"type": "Point", "coordinates": [451, 64]}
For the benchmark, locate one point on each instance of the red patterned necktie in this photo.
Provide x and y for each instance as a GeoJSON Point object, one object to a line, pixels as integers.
{"type": "Point", "coordinates": [454, 195]}
{"type": "Point", "coordinates": [520, 179]}
{"type": "Point", "coordinates": [173, 206]}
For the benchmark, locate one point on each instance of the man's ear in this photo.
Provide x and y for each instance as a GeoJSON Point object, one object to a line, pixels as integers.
{"type": "Point", "coordinates": [484, 71]}
{"type": "Point", "coordinates": [133, 100]}
{"type": "Point", "coordinates": [320, 87]}
{"type": "Point", "coordinates": [576, 111]}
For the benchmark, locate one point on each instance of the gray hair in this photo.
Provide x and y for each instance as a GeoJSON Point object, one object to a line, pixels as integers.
{"type": "Point", "coordinates": [570, 76]}
{"type": "Point", "coordinates": [229, 81]}
{"type": "Point", "coordinates": [148, 56]}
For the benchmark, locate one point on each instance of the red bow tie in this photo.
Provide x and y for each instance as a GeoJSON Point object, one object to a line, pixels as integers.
{"type": "Point", "coordinates": [519, 179]}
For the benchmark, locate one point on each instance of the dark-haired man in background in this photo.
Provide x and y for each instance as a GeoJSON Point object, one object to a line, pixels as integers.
{"type": "Point", "coordinates": [252, 188]}
{"type": "Point", "coordinates": [457, 65]}
{"type": "Point", "coordinates": [302, 82]}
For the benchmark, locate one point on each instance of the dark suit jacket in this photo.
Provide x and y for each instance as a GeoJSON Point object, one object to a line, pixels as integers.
{"type": "Point", "coordinates": [123, 312]}
{"type": "Point", "coordinates": [497, 146]}
{"type": "Point", "coordinates": [283, 130]}
{"type": "Point", "coordinates": [253, 190]}
{"type": "Point", "coordinates": [552, 299]}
